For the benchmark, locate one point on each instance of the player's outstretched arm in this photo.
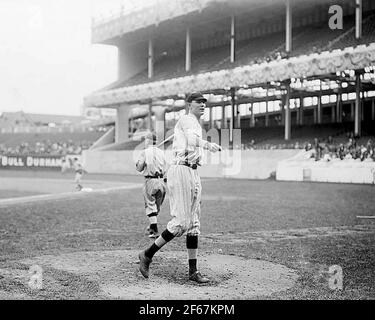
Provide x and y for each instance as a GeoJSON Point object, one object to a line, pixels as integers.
{"type": "Point", "coordinates": [213, 147]}
{"type": "Point", "coordinates": [193, 139]}
{"type": "Point", "coordinates": [141, 163]}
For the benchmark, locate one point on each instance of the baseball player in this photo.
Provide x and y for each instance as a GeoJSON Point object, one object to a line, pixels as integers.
{"type": "Point", "coordinates": [184, 187]}
{"type": "Point", "coordinates": [153, 166]}
{"type": "Point", "coordinates": [78, 168]}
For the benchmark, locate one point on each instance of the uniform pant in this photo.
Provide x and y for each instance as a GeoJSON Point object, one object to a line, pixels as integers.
{"type": "Point", "coordinates": [184, 189]}
{"type": "Point", "coordinates": [78, 178]}
{"type": "Point", "coordinates": [153, 194]}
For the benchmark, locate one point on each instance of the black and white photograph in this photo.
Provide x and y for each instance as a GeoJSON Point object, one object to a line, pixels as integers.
{"type": "Point", "coordinates": [183, 155]}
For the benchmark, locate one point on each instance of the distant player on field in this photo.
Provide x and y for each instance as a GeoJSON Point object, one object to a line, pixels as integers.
{"type": "Point", "coordinates": [78, 168]}
{"type": "Point", "coordinates": [153, 166]}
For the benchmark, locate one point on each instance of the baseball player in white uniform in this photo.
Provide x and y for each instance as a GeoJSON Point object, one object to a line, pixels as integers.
{"type": "Point", "coordinates": [184, 187]}
{"type": "Point", "coordinates": [78, 168]}
{"type": "Point", "coordinates": [153, 166]}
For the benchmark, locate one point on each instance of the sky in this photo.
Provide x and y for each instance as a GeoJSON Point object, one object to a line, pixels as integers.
{"type": "Point", "coordinates": [47, 61]}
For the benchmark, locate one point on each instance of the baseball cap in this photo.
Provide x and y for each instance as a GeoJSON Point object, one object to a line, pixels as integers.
{"type": "Point", "coordinates": [195, 96]}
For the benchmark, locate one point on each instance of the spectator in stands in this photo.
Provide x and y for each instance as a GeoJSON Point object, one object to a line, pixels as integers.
{"type": "Point", "coordinates": [363, 154]}
{"type": "Point", "coordinates": [348, 154]}
{"type": "Point", "coordinates": [326, 154]}
{"type": "Point", "coordinates": [46, 147]}
{"type": "Point", "coordinates": [331, 145]}
{"type": "Point", "coordinates": [308, 146]}
{"type": "Point", "coordinates": [356, 152]}
{"type": "Point", "coordinates": [341, 151]}
{"type": "Point", "coordinates": [370, 151]}
{"type": "Point", "coordinates": [318, 149]}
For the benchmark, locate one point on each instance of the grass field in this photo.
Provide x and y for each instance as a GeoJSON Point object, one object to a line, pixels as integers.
{"type": "Point", "coordinates": [306, 227]}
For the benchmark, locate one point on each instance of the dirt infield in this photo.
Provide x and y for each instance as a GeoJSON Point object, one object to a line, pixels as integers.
{"type": "Point", "coordinates": [260, 240]}
{"type": "Point", "coordinates": [117, 275]}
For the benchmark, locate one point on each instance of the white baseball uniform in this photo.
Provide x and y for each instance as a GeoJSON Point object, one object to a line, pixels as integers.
{"type": "Point", "coordinates": [153, 166]}
{"type": "Point", "coordinates": [184, 184]}
{"type": "Point", "coordinates": [79, 173]}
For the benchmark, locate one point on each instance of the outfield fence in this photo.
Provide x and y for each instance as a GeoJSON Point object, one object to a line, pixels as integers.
{"type": "Point", "coordinates": [29, 161]}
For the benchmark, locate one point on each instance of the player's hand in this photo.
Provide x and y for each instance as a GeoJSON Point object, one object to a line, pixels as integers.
{"type": "Point", "coordinates": [213, 147]}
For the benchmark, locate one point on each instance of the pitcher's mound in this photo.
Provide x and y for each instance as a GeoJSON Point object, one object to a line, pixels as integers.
{"type": "Point", "coordinates": [117, 275]}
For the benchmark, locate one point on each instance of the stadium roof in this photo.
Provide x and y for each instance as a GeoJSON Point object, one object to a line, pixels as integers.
{"type": "Point", "coordinates": [207, 16]}
{"type": "Point", "coordinates": [33, 118]}
{"type": "Point", "coordinates": [316, 54]}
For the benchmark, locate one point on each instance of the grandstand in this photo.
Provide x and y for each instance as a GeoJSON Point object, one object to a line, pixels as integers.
{"type": "Point", "coordinates": [273, 69]}
{"type": "Point", "coordinates": [312, 38]}
{"type": "Point", "coordinates": [44, 134]}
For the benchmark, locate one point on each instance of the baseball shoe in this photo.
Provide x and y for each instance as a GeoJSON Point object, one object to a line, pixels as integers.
{"type": "Point", "coordinates": [144, 264]}
{"type": "Point", "coordinates": [197, 277]}
{"type": "Point", "coordinates": [153, 234]}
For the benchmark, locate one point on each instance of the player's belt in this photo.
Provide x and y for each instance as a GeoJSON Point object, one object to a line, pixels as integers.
{"type": "Point", "coordinates": [193, 166]}
{"type": "Point", "coordinates": [156, 176]}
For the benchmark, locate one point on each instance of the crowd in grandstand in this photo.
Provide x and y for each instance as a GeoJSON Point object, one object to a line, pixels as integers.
{"type": "Point", "coordinates": [46, 147]}
{"type": "Point", "coordinates": [278, 55]}
{"type": "Point", "coordinates": [270, 146]}
{"type": "Point", "coordinates": [329, 149]}
{"type": "Point", "coordinates": [325, 149]}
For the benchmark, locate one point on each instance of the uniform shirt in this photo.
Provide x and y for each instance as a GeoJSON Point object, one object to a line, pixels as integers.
{"type": "Point", "coordinates": [77, 167]}
{"type": "Point", "coordinates": [187, 141]}
{"type": "Point", "coordinates": [151, 161]}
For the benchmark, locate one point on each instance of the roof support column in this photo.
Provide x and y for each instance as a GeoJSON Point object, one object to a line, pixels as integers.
{"type": "Point", "coordinates": [362, 107]}
{"type": "Point", "coordinates": [319, 107]}
{"type": "Point", "coordinates": [232, 39]}
{"type": "Point", "coordinates": [122, 123]}
{"type": "Point", "coordinates": [373, 110]}
{"type": "Point", "coordinates": [358, 19]}
{"type": "Point", "coordinates": [339, 105]}
{"type": "Point", "coordinates": [238, 117]}
{"type": "Point", "coordinates": [252, 116]}
{"type": "Point", "coordinates": [351, 111]}
{"type": "Point", "coordinates": [150, 59]}
{"type": "Point", "coordinates": [333, 114]}
{"type": "Point", "coordinates": [223, 118]}
{"type": "Point", "coordinates": [301, 106]}
{"type": "Point", "coordinates": [131, 125]}
{"type": "Point", "coordinates": [288, 27]}
{"type": "Point", "coordinates": [297, 113]}
{"type": "Point", "coordinates": [212, 124]}
{"type": "Point", "coordinates": [233, 103]}
{"type": "Point", "coordinates": [149, 115]}
{"type": "Point", "coordinates": [188, 51]}
{"type": "Point", "coordinates": [287, 112]}
{"type": "Point", "coordinates": [160, 122]}
{"type": "Point", "coordinates": [267, 115]}
{"type": "Point", "coordinates": [357, 111]}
